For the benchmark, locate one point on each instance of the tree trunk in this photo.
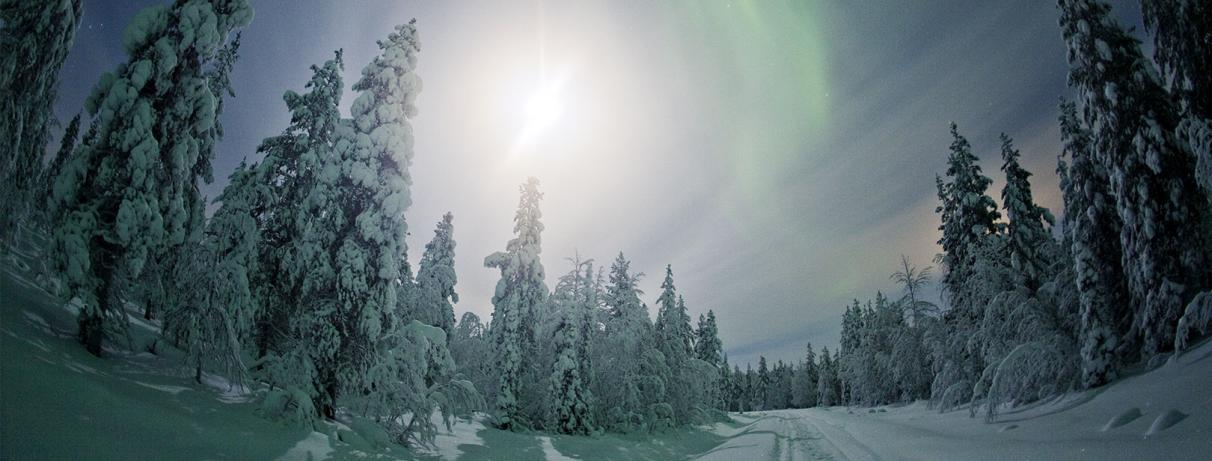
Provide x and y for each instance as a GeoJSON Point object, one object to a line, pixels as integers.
{"type": "Point", "coordinates": [330, 404]}
{"type": "Point", "coordinates": [91, 332]}
{"type": "Point", "coordinates": [92, 324]}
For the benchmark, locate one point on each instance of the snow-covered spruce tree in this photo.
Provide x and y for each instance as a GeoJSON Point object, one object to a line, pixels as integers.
{"type": "Point", "coordinates": [762, 385]}
{"type": "Point", "coordinates": [568, 388]}
{"type": "Point", "coordinates": [787, 383]}
{"type": "Point", "coordinates": [868, 368]}
{"type": "Point", "coordinates": [968, 214]}
{"type": "Point", "coordinates": [707, 345]}
{"type": "Point", "coordinates": [285, 177]}
{"type": "Point", "coordinates": [520, 293]}
{"type": "Point", "coordinates": [726, 389]}
{"type": "Point", "coordinates": [436, 278]}
{"type": "Point", "coordinates": [1183, 37]}
{"type": "Point", "coordinates": [826, 392]}
{"type": "Point", "coordinates": [35, 37]}
{"type": "Point", "coordinates": [1026, 232]}
{"type": "Point", "coordinates": [673, 340]}
{"type": "Point", "coordinates": [971, 248]}
{"type": "Point", "coordinates": [737, 398]}
{"type": "Point", "coordinates": [618, 352]}
{"type": "Point", "coordinates": [352, 243]}
{"type": "Point", "coordinates": [290, 332]}
{"type": "Point", "coordinates": [127, 192]}
{"type": "Point", "coordinates": [1152, 173]}
{"type": "Point", "coordinates": [709, 350]}
{"type": "Point", "coordinates": [1092, 227]}
{"type": "Point", "coordinates": [159, 287]}
{"type": "Point", "coordinates": [805, 381]}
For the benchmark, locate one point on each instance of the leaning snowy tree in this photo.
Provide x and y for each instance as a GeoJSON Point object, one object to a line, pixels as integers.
{"type": "Point", "coordinates": [436, 279]}
{"type": "Point", "coordinates": [1165, 234]}
{"type": "Point", "coordinates": [1092, 227]}
{"type": "Point", "coordinates": [519, 294]}
{"type": "Point", "coordinates": [35, 37]}
{"type": "Point", "coordinates": [128, 192]}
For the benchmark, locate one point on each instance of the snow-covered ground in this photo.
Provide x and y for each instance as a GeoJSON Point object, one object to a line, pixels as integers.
{"type": "Point", "coordinates": [59, 402]}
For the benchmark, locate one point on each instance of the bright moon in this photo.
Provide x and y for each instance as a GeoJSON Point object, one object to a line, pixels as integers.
{"type": "Point", "coordinates": [542, 110]}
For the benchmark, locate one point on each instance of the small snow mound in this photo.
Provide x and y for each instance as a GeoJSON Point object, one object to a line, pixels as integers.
{"type": "Point", "coordinates": [314, 447]}
{"type": "Point", "coordinates": [1008, 428]}
{"type": "Point", "coordinates": [1123, 418]}
{"type": "Point", "coordinates": [1167, 419]}
{"type": "Point", "coordinates": [229, 392]}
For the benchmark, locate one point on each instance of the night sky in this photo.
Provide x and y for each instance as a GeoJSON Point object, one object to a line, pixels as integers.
{"type": "Point", "coordinates": [781, 156]}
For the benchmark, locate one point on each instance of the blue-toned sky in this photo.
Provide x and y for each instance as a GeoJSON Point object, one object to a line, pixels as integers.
{"type": "Point", "coordinates": [780, 155]}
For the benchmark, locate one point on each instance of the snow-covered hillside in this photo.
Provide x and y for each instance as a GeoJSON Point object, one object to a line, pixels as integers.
{"type": "Point", "coordinates": [57, 401]}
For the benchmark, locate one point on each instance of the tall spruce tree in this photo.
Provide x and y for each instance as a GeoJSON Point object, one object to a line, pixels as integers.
{"type": "Point", "coordinates": [626, 338]}
{"type": "Point", "coordinates": [280, 189]}
{"type": "Point", "coordinates": [436, 278]}
{"type": "Point", "coordinates": [707, 345]}
{"type": "Point", "coordinates": [968, 214]}
{"type": "Point", "coordinates": [568, 387]}
{"type": "Point", "coordinates": [1152, 173]}
{"type": "Point", "coordinates": [1093, 227]}
{"type": "Point", "coordinates": [673, 340]}
{"type": "Point", "coordinates": [520, 293]}
{"type": "Point", "coordinates": [129, 193]}
{"type": "Point", "coordinates": [762, 390]}
{"type": "Point", "coordinates": [1025, 231]}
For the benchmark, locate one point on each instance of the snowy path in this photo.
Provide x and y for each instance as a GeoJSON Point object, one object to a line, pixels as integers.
{"type": "Point", "coordinates": [779, 436]}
